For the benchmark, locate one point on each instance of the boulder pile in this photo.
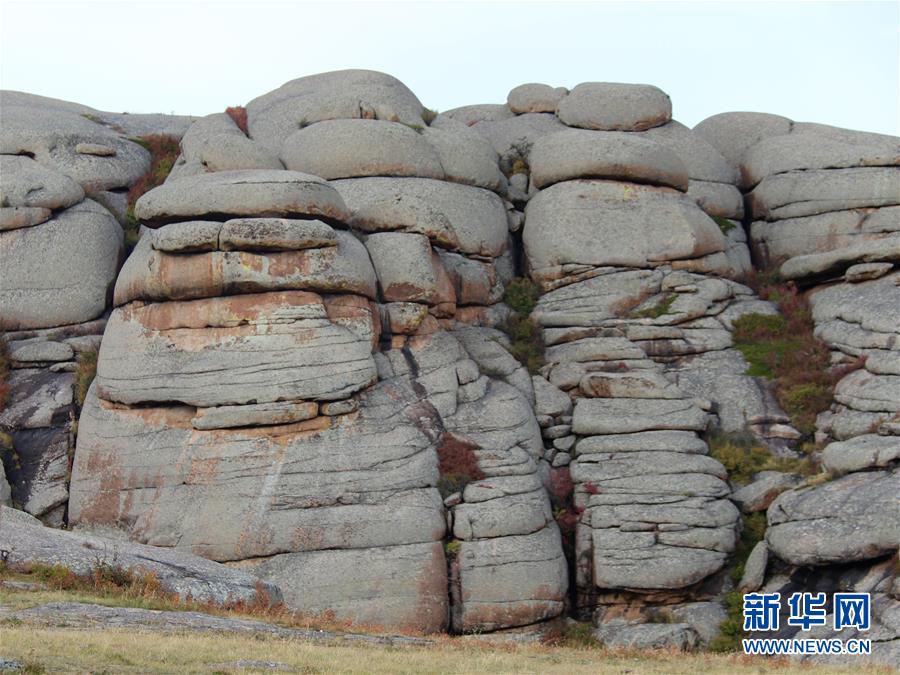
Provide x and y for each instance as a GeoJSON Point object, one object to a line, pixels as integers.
{"type": "Point", "coordinates": [306, 373]}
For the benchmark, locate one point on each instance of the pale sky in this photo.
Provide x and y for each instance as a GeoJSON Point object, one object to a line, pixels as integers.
{"type": "Point", "coordinates": [830, 62]}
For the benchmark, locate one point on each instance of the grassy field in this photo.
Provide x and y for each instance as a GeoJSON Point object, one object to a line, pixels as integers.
{"type": "Point", "coordinates": [48, 649]}
{"type": "Point", "coordinates": [112, 651]}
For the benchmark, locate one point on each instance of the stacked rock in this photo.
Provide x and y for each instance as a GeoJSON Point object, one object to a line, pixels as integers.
{"type": "Point", "coordinates": [64, 176]}
{"type": "Point", "coordinates": [632, 230]}
{"type": "Point", "coordinates": [826, 209]}
{"type": "Point", "coordinates": [299, 348]}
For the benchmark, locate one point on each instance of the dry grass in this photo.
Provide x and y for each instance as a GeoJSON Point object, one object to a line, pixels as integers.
{"type": "Point", "coordinates": [115, 651]}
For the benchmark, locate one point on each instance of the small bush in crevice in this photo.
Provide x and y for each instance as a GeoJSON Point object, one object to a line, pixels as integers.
{"type": "Point", "coordinates": [783, 348]}
{"type": "Point", "coordinates": [743, 456]}
{"type": "Point", "coordinates": [724, 224]}
{"type": "Point", "coordinates": [526, 337]}
{"type": "Point", "coordinates": [457, 464]}
{"type": "Point", "coordinates": [659, 309]}
{"type": "Point", "coordinates": [731, 630]}
{"type": "Point", "coordinates": [429, 115]}
{"type": "Point", "coordinates": [85, 371]}
{"type": "Point", "coordinates": [522, 295]}
{"type": "Point", "coordinates": [164, 150]}
{"type": "Point", "coordinates": [238, 114]}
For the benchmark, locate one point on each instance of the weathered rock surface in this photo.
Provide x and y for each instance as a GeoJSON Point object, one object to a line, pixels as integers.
{"type": "Point", "coordinates": [217, 196]}
{"type": "Point", "coordinates": [611, 106]}
{"type": "Point", "coordinates": [604, 223]}
{"type": "Point", "coordinates": [535, 98]}
{"type": "Point", "coordinates": [181, 573]}
{"type": "Point", "coordinates": [221, 351]}
{"type": "Point", "coordinates": [61, 271]}
{"type": "Point", "coordinates": [851, 518]}
{"type": "Point", "coordinates": [678, 636]}
{"type": "Point", "coordinates": [615, 155]}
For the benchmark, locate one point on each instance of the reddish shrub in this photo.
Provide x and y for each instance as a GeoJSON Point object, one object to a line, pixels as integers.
{"type": "Point", "coordinates": [457, 464]}
{"type": "Point", "coordinates": [561, 486]}
{"type": "Point", "coordinates": [239, 115]}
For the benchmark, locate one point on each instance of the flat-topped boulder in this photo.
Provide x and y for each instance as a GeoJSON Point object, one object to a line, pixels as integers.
{"type": "Point", "coordinates": [339, 94]}
{"type": "Point", "coordinates": [225, 194]}
{"type": "Point", "coordinates": [355, 148]}
{"type": "Point", "coordinates": [614, 106]}
{"type": "Point", "coordinates": [150, 274]}
{"type": "Point", "coordinates": [215, 143]}
{"type": "Point", "coordinates": [805, 151]}
{"type": "Point", "coordinates": [535, 98]}
{"type": "Point", "coordinates": [605, 223]}
{"type": "Point", "coordinates": [806, 193]}
{"type": "Point", "coordinates": [850, 518]}
{"type": "Point", "coordinates": [232, 350]}
{"type": "Point", "coordinates": [455, 217]}
{"type": "Point", "coordinates": [578, 153]}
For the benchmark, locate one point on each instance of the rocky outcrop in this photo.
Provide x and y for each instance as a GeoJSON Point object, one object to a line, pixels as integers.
{"type": "Point", "coordinates": [824, 208]}
{"type": "Point", "coordinates": [308, 357]}
{"type": "Point", "coordinates": [304, 376]}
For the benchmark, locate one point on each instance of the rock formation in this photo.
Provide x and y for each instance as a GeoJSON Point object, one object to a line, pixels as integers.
{"type": "Point", "coordinates": [306, 372]}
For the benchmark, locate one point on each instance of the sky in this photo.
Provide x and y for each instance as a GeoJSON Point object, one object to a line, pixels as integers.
{"type": "Point", "coordinates": [829, 62]}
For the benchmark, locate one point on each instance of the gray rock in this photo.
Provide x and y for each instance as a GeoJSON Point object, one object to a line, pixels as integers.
{"type": "Point", "coordinates": [99, 617]}
{"type": "Point", "coordinates": [14, 217]}
{"type": "Point", "coordinates": [340, 94]}
{"type": "Point", "coordinates": [673, 441]}
{"type": "Point", "coordinates": [847, 519]}
{"type": "Point", "coordinates": [807, 151]}
{"type": "Point", "coordinates": [755, 569]}
{"type": "Point", "coordinates": [157, 275]}
{"type": "Point", "coordinates": [398, 586]}
{"type": "Point", "coordinates": [613, 106]}
{"type": "Point", "coordinates": [407, 269]}
{"type": "Point", "coordinates": [275, 234]}
{"type": "Point", "coordinates": [192, 236]}
{"type": "Point", "coordinates": [869, 451]}
{"type": "Point", "coordinates": [806, 193]}
{"type": "Point", "coordinates": [472, 114]}
{"type": "Point", "coordinates": [181, 573]}
{"type": "Point", "coordinates": [52, 135]}
{"type": "Point", "coordinates": [241, 193]}
{"type": "Point", "coordinates": [615, 155]}
{"type": "Point", "coordinates": [374, 473]}
{"type": "Point", "coordinates": [254, 415]}
{"type": "Point", "coordinates": [37, 350]}
{"type": "Point", "coordinates": [732, 133]}
{"type": "Point", "coordinates": [354, 148]}
{"type": "Point", "coordinates": [718, 199]}
{"type": "Point", "coordinates": [835, 262]}
{"type": "Point", "coordinates": [29, 184]}
{"type": "Point", "coordinates": [762, 491]}
{"type": "Point", "coordinates": [214, 143]}
{"type": "Point", "coordinates": [548, 399]}
{"type": "Point", "coordinates": [864, 391]}
{"type": "Point", "coordinates": [233, 350]}
{"type": "Point", "coordinates": [704, 617]}
{"type": "Point", "coordinates": [866, 271]}
{"type": "Point", "coordinates": [618, 416]}
{"type": "Point", "coordinates": [512, 138]}
{"type": "Point", "coordinates": [677, 636]}
{"type": "Point", "coordinates": [866, 309]}
{"type": "Point", "coordinates": [636, 384]}
{"type": "Point", "coordinates": [466, 156]}
{"type": "Point", "coordinates": [510, 581]}
{"type": "Point", "coordinates": [605, 223]}
{"type": "Point", "coordinates": [59, 272]}
{"type": "Point", "coordinates": [535, 98]}
{"type": "Point", "coordinates": [5, 490]}
{"type": "Point", "coordinates": [594, 349]}
{"type": "Point", "coordinates": [474, 282]}
{"type": "Point", "coordinates": [703, 161]}
{"type": "Point", "coordinates": [831, 231]}
{"type": "Point", "coordinates": [455, 217]}
{"type": "Point", "coordinates": [38, 398]}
